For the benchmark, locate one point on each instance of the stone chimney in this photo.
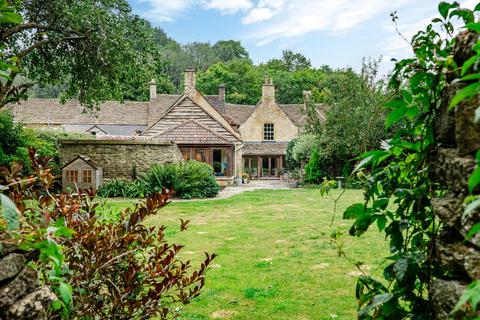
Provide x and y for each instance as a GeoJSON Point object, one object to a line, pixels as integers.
{"type": "Point", "coordinates": [221, 98]}
{"type": "Point", "coordinates": [153, 90]}
{"type": "Point", "coordinates": [221, 93]}
{"type": "Point", "coordinates": [190, 78]}
{"type": "Point", "coordinates": [268, 91]}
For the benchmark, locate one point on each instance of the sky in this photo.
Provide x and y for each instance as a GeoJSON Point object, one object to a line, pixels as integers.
{"type": "Point", "coordinates": [333, 32]}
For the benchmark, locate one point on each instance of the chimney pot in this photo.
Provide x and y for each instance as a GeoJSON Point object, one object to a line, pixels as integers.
{"type": "Point", "coordinates": [153, 90]}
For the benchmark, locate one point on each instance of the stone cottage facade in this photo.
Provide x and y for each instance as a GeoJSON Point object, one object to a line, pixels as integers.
{"type": "Point", "coordinates": [232, 138]}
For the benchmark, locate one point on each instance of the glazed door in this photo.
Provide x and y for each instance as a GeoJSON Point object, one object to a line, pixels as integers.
{"type": "Point", "coordinates": [269, 166]}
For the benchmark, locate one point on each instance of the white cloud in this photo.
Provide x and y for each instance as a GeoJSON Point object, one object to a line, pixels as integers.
{"type": "Point", "coordinates": [228, 7]}
{"type": "Point", "coordinates": [257, 15]}
{"type": "Point", "coordinates": [264, 11]}
{"type": "Point", "coordinates": [165, 10]}
{"type": "Point", "coordinates": [299, 17]}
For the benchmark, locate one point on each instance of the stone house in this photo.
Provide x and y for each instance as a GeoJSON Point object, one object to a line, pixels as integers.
{"type": "Point", "coordinates": [81, 173]}
{"type": "Point", "coordinates": [232, 138]}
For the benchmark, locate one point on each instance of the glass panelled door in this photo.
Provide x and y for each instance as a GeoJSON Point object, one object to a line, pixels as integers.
{"type": "Point", "coordinates": [269, 166]}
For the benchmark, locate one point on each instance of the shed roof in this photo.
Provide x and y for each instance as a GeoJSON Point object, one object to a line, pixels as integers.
{"type": "Point", "coordinates": [83, 158]}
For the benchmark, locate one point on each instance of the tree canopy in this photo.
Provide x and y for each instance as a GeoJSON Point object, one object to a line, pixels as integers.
{"type": "Point", "coordinates": [97, 49]}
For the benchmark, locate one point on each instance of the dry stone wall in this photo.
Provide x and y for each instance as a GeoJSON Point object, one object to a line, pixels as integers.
{"type": "Point", "coordinates": [21, 296]}
{"type": "Point", "coordinates": [120, 159]}
{"type": "Point", "coordinates": [452, 163]}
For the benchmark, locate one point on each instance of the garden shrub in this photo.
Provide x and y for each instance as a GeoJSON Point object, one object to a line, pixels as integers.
{"type": "Point", "coordinates": [189, 179]}
{"type": "Point", "coordinates": [124, 189]}
{"type": "Point", "coordinates": [313, 170]}
{"type": "Point", "coordinates": [100, 269]}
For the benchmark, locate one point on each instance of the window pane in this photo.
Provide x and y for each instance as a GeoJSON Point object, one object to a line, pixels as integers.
{"type": "Point", "coordinates": [200, 155]}
{"type": "Point", "coordinates": [220, 162]}
{"type": "Point", "coordinates": [185, 153]}
{"type": "Point", "coordinates": [268, 131]}
{"type": "Point", "coordinates": [87, 176]}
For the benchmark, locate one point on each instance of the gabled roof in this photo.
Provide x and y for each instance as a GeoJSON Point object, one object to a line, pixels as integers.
{"type": "Point", "coordinates": [238, 112]}
{"type": "Point", "coordinates": [84, 159]}
{"type": "Point", "coordinates": [201, 101]}
{"type": "Point", "coordinates": [191, 132]}
{"type": "Point", "coordinates": [98, 129]}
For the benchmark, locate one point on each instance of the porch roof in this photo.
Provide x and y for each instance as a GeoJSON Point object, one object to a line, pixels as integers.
{"type": "Point", "coordinates": [192, 132]}
{"type": "Point", "coordinates": [265, 148]}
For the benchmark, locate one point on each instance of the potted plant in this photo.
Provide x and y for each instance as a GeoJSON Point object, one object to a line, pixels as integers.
{"type": "Point", "coordinates": [245, 177]}
{"type": "Point", "coordinates": [237, 181]}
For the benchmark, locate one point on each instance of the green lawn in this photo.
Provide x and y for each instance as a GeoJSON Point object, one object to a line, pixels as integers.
{"type": "Point", "coordinates": [275, 258]}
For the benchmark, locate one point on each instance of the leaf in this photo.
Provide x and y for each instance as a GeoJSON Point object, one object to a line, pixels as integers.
{"type": "Point", "coordinates": [376, 301]}
{"type": "Point", "coordinates": [465, 14]}
{"type": "Point", "coordinates": [474, 26]}
{"type": "Point", "coordinates": [381, 222]}
{"type": "Point", "coordinates": [473, 231]}
{"type": "Point", "coordinates": [400, 268]}
{"type": "Point", "coordinates": [381, 204]}
{"type": "Point", "coordinates": [9, 212]}
{"type": "Point", "coordinates": [474, 179]}
{"type": "Point", "coordinates": [65, 291]}
{"type": "Point", "coordinates": [10, 17]}
{"type": "Point", "coordinates": [354, 211]}
{"type": "Point", "coordinates": [471, 207]}
{"type": "Point", "coordinates": [467, 64]}
{"type": "Point", "coordinates": [444, 8]}
{"type": "Point", "coordinates": [395, 116]}
{"type": "Point", "coordinates": [467, 92]}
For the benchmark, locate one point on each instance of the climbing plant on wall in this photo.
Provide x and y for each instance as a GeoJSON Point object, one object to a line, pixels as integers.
{"type": "Point", "coordinates": [399, 189]}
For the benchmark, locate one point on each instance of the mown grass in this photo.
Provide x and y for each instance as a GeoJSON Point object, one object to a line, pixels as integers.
{"type": "Point", "coordinates": [275, 259]}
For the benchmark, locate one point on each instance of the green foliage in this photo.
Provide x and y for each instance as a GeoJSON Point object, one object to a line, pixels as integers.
{"type": "Point", "coordinates": [313, 169]}
{"type": "Point", "coordinates": [98, 268]}
{"type": "Point", "coordinates": [95, 50]}
{"type": "Point", "coordinates": [400, 176]}
{"type": "Point", "coordinates": [241, 78]}
{"type": "Point", "coordinates": [13, 144]}
{"type": "Point", "coordinates": [189, 179]}
{"type": "Point", "coordinates": [124, 189]}
{"type": "Point", "coordinates": [354, 122]}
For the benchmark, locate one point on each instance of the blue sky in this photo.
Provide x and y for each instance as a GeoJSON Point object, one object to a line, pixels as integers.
{"type": "Point", "coordinates": [334, 32]}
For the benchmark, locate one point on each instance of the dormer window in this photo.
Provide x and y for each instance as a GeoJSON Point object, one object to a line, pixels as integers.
{"type": "Point", "coordinates": [268, 132]}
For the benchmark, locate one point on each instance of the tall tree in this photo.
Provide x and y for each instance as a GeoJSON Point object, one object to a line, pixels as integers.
{"type": "Point", "coordinates": [227, 50]}
{"type": "Point", "coordinates": [95, 48]}
{"type": "Point", "coordinates": [290, 61]}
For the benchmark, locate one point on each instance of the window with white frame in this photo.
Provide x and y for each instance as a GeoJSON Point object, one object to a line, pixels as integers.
{"type": "Point", "coordinates": [268, 132]}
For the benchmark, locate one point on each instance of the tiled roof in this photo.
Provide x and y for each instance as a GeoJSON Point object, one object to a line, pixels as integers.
{"type": "Point", "coordinates": [238, 112]}
{"type": "Point", "coordinates": [52, 111]}
{"type": "Point", "coordinates": [296, 112]}
{"type": "Point", "coordinates": [160, 105]}
{"type": "Point", "coordinates": [216, 102]}
{"type": "Point", "coordinates": [264, 148]}
{"type": "Point", "coordinates": [191, 132]}
{"type": "Point", "coordinates": [116, 130]}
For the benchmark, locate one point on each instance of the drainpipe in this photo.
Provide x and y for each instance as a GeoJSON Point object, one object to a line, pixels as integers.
{"type": "Point", "coordinates": [235, 157]}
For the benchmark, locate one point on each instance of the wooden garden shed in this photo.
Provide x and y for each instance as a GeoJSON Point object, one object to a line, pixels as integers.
{"type": "Point", "coordinates": [81, 174]}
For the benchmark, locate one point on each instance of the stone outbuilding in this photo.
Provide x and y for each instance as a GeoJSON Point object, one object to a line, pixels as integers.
{"type": "Point", "coordinates": [81, 174]}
